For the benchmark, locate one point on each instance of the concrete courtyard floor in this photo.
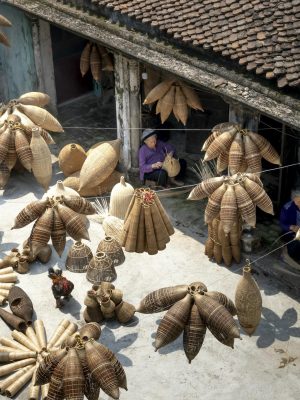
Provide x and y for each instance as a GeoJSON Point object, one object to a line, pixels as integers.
{"type": "Point", "coordinates": [250, 371]}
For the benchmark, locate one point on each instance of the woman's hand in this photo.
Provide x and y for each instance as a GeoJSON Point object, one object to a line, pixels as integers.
{"type": "Point", "coordinates": [157, 165]}
{"type": "Point", "coordinates": [294, 228]}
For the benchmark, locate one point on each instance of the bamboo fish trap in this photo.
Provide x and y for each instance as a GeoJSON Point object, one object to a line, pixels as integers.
{"type": "Point", "coordinates": [172, 95]}
{"type": "Point", "coordinates": [104, 302]}
{"type": "Point", "coordinates": [233, 197]}
{"type": "Point", "coordinates": [4, 22]}
{"type": "Point", "coordinates": [238, 149]}
{"type": "Point", "coordinates": [28, 356]}
{"type": "Point", "coordinates": [24, 138]}
{"type": "Point", "coordinates": [96, 58]}
{"type": "Point", "coordinates": [191, 310]}
{"type": "Point", "coordinates": [55, 217]}
{"type": "Point", "coordinates": [146, 226]}
{"type": "Point", "coordinates": [8, 277]}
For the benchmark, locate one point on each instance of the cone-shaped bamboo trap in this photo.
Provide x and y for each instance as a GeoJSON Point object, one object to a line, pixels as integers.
{"type": "Point", "coordinates": [238, 149]}
{"type": "Point", "coordinates": [55, 216]}
{"type": "Point", "coordinates": [233, 197]}
{"type": "Point", "coordinates": [147, 227]}
{"type": "Point", "coordinates": [191, 310]}
{"type": "Point", "coordinates": [104, 302]}
{"type": "Point", "coordinates": [172, 95]}
{"type": "Point", "coordinates": [27, 356]}
{"type": "Point", "coordinates": [24, 138]}
{"type": "Point", "coordinates": [96, 58]}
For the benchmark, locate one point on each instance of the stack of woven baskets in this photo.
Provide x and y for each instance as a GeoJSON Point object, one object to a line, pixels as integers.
{"type": "Point", "coordinates": [172, 95]}
{"type": "Point", "coordinates": [105, 302]}
{"type": "Point", "coordinates": [24, 138]}
{"type": "Point", "coordinates": [147, 227]}
{"type": "Point", "coordinates": [97, 58]}
{"type": "Point", "coordinates": [238, 149]}
{"type": "Point", "coordinates": [92, 173]}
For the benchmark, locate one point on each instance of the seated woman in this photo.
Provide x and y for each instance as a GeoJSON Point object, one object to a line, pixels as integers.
{"type": "Point", "coordinates": [151, 156]}
{"type": "Point", "coordinates": [290, 222]}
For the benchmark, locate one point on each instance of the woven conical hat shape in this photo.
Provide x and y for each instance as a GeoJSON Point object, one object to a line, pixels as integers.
{"type": "Point", "coordinates": [100, 163]}
{"type": "Point", "coordinates": [71, 158]}
{"type": "Point", "coordinates": [120, 198]}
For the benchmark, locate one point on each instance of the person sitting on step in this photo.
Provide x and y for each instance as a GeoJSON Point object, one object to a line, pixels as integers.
{"type": "Point", "coordinates": [290, 224]}
{"type": "Point", "coordinates": [151, 156]}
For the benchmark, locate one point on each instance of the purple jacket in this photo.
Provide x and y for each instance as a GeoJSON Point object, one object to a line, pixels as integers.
{"type": "Point", "coordinates": [148, 156]}
{"type": "Point", "coordinates": [289, 215]}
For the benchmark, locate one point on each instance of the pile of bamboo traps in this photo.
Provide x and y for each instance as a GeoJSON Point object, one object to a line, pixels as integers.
{"type": "Point", "coordinates": [191, 310]}
{"type": "Point", "coordinates": [24, 138]}
{"type": "Point", "coordinates": [238, 149]}
{"type": "Point", "coordinates": [28, 354]}
{"type": "Point", "coordinates": [232, 196]}
{"type": "Point", "coordinates": [4, 22]}
{"type": "Point", "coordinates": [82, 368]}
{"type": "Point", "coordinates": [97, 58]}
{"type": "Point", "coordinates": [55, 217]}
{"type": "Point", "coordinates": [224, 247]}
{"type": "Point", "coordinates": [146, 226]}
{"type": "Point", "coordinates": [172, 95]}
{"type": "Point", "coordinates": [7, 280]}
{"type": "Point", "coordinates": [104, 302]}
{"type": "Point", "coordinates": [20, 260]}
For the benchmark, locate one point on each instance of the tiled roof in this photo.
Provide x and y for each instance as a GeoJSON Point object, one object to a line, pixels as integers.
{"type": "Point", "coordinates": [263, 36]}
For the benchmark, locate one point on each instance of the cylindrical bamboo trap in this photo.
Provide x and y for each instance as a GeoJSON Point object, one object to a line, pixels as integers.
{"type": "Point", "coordinates": [72, 328]}
{"type": "Point", "coordinates": [58, 332]}
{"type": "Point", "coordinates": [21, 338]}
{"type": "Point", "coordinates": [19, 383]}
{"type": "Point", "coordinates": [6, 369]}
{"type": "Point", "coordinates": [40, 333]}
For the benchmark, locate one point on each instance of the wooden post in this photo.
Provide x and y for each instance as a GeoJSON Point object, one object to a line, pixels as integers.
{"type": "Point", "coordinates": [128, 109]}
{"type": "Point", "coordinates": [42, 47]}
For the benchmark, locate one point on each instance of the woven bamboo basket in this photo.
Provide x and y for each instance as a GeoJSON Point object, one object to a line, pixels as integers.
{"type": "Point", "coordinates": [41, 231]}
{"type": "Point", "coordinates": [4, 175]}
{"type": "Point", "coordinates": [74, 223]}
{"type": "Point", "coordinates": [112, 249]}
{"type": "Point", "coordinates": [41, 117]}
{"type": "Point", "coordinates": [100, 163]}
{"type": "Point", "coordinates": [4, 143]}
{"type": "Point", "coordinates": [38, 99]}
{"type": "Point", "coordinates": [221, 144]}
{"type": "Point", "coordinates": [213, 207]}
{"type": "Point", "coordinates": [228, 210]}
{"type": "Point", "coordinates": [266, 150]}
{"type": "Point", "coordinates": [79, 257]}
{"type": "Point", "coordinates": [101, 269]}
{"type": "Point", "coordinates": [158, 92]}
{"type": "Point", "coordinates": [79, 205]}
{"type": "Point", "coordinates": [30, 213]}
{"type": "Point", "coordinates": [58, 233]}
{"type": "Point", "coordinates": [191, 97]}
{"type": "Point", "coordinates": [171, 165]}
{"type": "Point", "coordinates": [245, 205]}
{"type": "Point", "coordinates": [71, 158]}
{"type": "Point", "coordinates": [206, 188]}
{"type": "Point", "coordinates": [41, 159]}
{"type": "Point", "coordinates": [91, 330]}
{"type": "Point", "coordinates": [59, 190]}
{"type": "Point", "coordinates": [85, 59]}
{"type": "Point", "coordinates": [107, 307]}
{"type": "Point", "coordinates": [124, 312]}
{"type": "Point", "coordinates": [106, 59]}
{"type": "Point", "coordinates": [23, 149]}
{"type": "Point", "coordinates": [167, 103]}
{"type": "Point", "coordinates": [216, 316]}
{"type": "Point", "coordinates": [193, 334]}
{"type": "Point", "coordinates": [120, 198]}
{"type": "Point", "coordinates": [91, 314]}
{"type": "Point", "coordinates": [96, 64]}
{"type": "Point", "coordinates": [20, 304]}
{"type": "Point", "coordinates": [173, 322]}
{"type": "Point", "coordinates": [236, 154]}
{"type": "Point", "coordinates": [252, 155]}
{"type": "Point", "coordinates": [11, 157]}
{"type": "Point", "coordinates": [248, 302]}
{"type": "Point", "coordinates": [258, 196]}
{"type": "Point", "coordinates": [12, 320]}
{"type": "Point", "coordinates": [224, 300]}
{"type": "Point", "coordinates": [180, 107]}
{"type": "Point", "coordinates": [73, 378]}
{"type": "Point", "coordinates": [222, 162]}
{"type": "Point", "coordinates": [102, 371]}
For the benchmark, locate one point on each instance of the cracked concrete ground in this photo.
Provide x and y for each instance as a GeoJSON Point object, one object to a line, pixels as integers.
{"type": "Point", "coordinates": [250, 371]}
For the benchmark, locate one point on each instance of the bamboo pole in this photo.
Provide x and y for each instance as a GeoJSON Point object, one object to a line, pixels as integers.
{"type": "Point", "coordinates": [13, 344]}
{"type": "Point", "coordinates": [40, 333]}
{"type": "Point", "coordinates": [7, 369]}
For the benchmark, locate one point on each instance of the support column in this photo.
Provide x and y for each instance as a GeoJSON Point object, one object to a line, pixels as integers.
{"type": "Point", "coordinates": [128, 109]}
{"type": "Point", "coordinates": [248, 119]}
{"type": "Point", "coordinates": [42, 47]}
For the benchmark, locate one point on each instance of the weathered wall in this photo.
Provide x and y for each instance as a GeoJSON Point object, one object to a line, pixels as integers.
{"type": "Point", "coordinates": [17, 66]}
